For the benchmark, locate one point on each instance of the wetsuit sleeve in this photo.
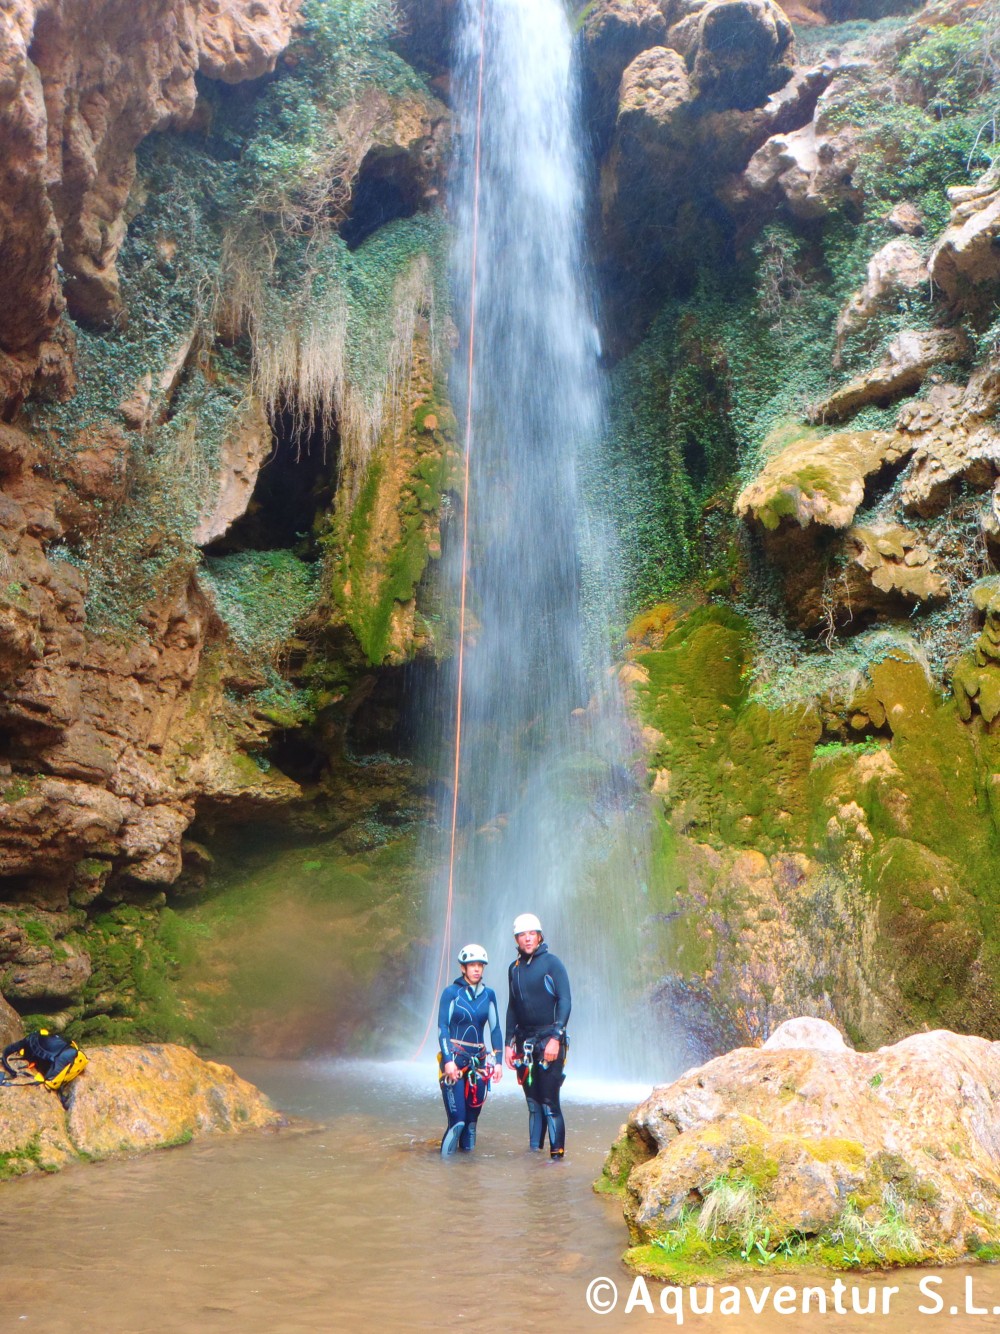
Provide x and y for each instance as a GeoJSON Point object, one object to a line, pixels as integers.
{"type": "Point", "coordinates": [510, 1024]}
{"type": "Point", "coordinates": [445, 1010]}
{"type": "Point", "coordinates": [493, 1024]}
{"type": "Point", "coordinates": [564, 1001]}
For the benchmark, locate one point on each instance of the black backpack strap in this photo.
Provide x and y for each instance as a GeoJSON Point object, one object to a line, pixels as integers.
{"type": "Point", "coordinates": [15, 1049]}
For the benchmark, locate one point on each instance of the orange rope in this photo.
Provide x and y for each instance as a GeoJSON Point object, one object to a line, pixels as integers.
{"type": "Point", "coordinates": [450, 901]}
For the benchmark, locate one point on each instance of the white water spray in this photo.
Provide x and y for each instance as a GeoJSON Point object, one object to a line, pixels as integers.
{"type": "Point", "coordinates": [552, 819]}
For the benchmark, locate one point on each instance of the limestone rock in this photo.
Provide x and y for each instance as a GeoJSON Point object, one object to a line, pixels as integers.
{"type": "Point", "coordinates": [811, 1034]}
{"type": "Point", "coordinates": [893, 271]}
{"type": "Point", "coordinates": [81, 84]}
{"type": "Point", "coordinates": [423, 33]}
{"type": "Point", "coordinates": [134, 1098]}
{"type": "Point", "coordinates": [33, 1133]}
{"type": "Point", "coordinates": [816, 478]}
{"type": "Point", "coordinates": [907, 219]}
{"type": "Point", "coordinates": [396, 143]}
{"type": "Point", "coordinates": [908, 358]}
{"type": "Point", "coordinates": [614, 33]}
{"type": "Point", "coordinates": [976, 676]}
{"type": "Point", "coordinates": [821, 1124]}
{"type": "Point", "coordinates": [653, 90]}
{"type": "Point", "coordinates": [811, 166]}
{"type": "Point", "coordinates": [965, 263]}
{"type": "Point", "coordinates": [898, 562]}
{"type": "Point", "coordinates": [242, 39]}
{"type": "Point", "coordinates": [953, 438]}
{"type": "Point", "coordinates": [242, 452]}
{"type": "Point", "coordinates": [39, 973]}
{"type": "Point", "coordinates": [740, 52]}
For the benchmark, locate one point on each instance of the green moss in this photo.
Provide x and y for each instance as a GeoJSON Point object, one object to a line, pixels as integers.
{"type": "Point", "coordinates": [738, 770]}
{"type": "Point", "coordinates": [628, 1151]}
{"type": "Point", "coordinates": [261, 596]}
{"type": "Point", "coordinates": [370, 577]}
{"type": "Point", "coordinates": [29, 1158]}
{"type": "Point", "coordinates": [130, 995]}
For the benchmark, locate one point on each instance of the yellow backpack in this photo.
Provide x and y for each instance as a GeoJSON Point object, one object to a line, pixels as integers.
{"type": "Point", "coordinates": [42, 1058]}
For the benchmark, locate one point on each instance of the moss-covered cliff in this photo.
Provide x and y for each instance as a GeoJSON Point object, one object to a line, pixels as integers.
{"type": "Point", "coordinates": [806, 457]}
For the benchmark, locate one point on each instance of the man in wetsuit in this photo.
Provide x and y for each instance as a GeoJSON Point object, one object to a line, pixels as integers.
{"type": "Point", "coordinates": [535, 1041]}
{"type": "Point", "coordinates": [469, 1037]}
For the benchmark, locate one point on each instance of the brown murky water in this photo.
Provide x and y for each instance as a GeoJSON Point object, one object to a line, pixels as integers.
{"type": "Point", "coordinates": [361, 1227]}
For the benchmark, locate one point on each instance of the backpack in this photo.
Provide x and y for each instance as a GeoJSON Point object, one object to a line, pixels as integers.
{"type": "Point", "coordinates": [45, 1058]}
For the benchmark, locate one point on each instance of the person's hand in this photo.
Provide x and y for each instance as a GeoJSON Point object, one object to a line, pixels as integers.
{"type": "Point", "coordinates": [508, 1057]}
{"type": "Point", "coordinates": [551, 1052]}
{"type": "Point", "coordinates": [497, 1073]}
{"type": "Point", "coordinates": [451, 1072]}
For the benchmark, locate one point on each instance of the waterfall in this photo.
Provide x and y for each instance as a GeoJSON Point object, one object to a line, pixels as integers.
{"type": "Point", "coordinates": [552, 820]}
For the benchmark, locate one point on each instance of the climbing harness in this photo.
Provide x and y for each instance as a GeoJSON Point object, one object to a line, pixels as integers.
{"type": "Point", "coordinates": [477, 176]}
{"type": "Point", "coordinates": [41, 1058]}
{"type": "Point", "coordinates": [477, 1068]}
{"type": "Point", "coordinates": [524, 1063]}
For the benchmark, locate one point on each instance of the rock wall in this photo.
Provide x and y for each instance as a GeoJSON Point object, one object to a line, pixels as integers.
{"type": "Point", "coordinates": [82, 86]}
{"type": "Point", "coordinates": [166, 625]}
{"type": "Point", "coordinates": [804, 456]}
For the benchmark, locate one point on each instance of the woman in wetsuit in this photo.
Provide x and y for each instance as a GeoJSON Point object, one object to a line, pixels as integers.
{"type": "Point", "coordinates": [471, 1049]}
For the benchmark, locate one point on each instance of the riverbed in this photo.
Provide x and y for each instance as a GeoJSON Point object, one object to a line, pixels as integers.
{"type": "Point", "coordinates": [354, 1223]}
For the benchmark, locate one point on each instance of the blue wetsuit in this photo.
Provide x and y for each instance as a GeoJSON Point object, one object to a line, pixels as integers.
{"type": "Point", "coordinates": [538, 1010]}
{"type": "Point", "coordinates": [466, 1016]}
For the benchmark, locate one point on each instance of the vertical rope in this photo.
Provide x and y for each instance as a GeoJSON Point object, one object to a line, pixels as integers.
{"type": "Point", "coordinates": [459, 691]}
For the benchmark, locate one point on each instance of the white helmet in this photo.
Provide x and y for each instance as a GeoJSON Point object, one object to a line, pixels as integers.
{"type": "Point", "coordinates": [526, 921]}
{"type": "Point", "coordinates": [473, 954]}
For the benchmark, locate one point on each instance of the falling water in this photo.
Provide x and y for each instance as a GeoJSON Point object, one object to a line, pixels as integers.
{"type": "Point", "coordinates": [551, 819]}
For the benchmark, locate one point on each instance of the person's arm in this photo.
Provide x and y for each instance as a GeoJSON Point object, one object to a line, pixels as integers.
{"type": "Point", "coordinates": [492, 1035]}
{"type": "Point", "coordinates": [564, 1001]}
{"type": "Point", "coordinates": [445, 1010]}
{"type": "Point", "coordinates": [510, 1024]}
{"type": "Point", "coordinates": [557, 984]}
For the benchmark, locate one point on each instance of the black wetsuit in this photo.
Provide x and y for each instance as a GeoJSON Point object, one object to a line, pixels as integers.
{"type": "Point", "coordinates": [538, 1009]}
{"type": "Point", "coordinates": [465, 1016]}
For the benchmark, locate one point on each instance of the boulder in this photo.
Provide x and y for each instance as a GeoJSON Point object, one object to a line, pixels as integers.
{"type": "Point", "coordinates": [133, 1098]}
{"type": "Point", "coordinates": [739, 51]}
{"type": "Point", "coordinates": [127, 1100]}
{"type": "Point", "coordinates": [821, 1137]}
{"type": "Point", "coordinates": [907, 219]}
{"type": "Point", "coordinates": [809, 166]}
{"type": "Point", "coordinates": [614, 33]}
{"type": "Point", "coordinates": [816, 1034]}
{"type": "Point", "coordinates": [654, 89]}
